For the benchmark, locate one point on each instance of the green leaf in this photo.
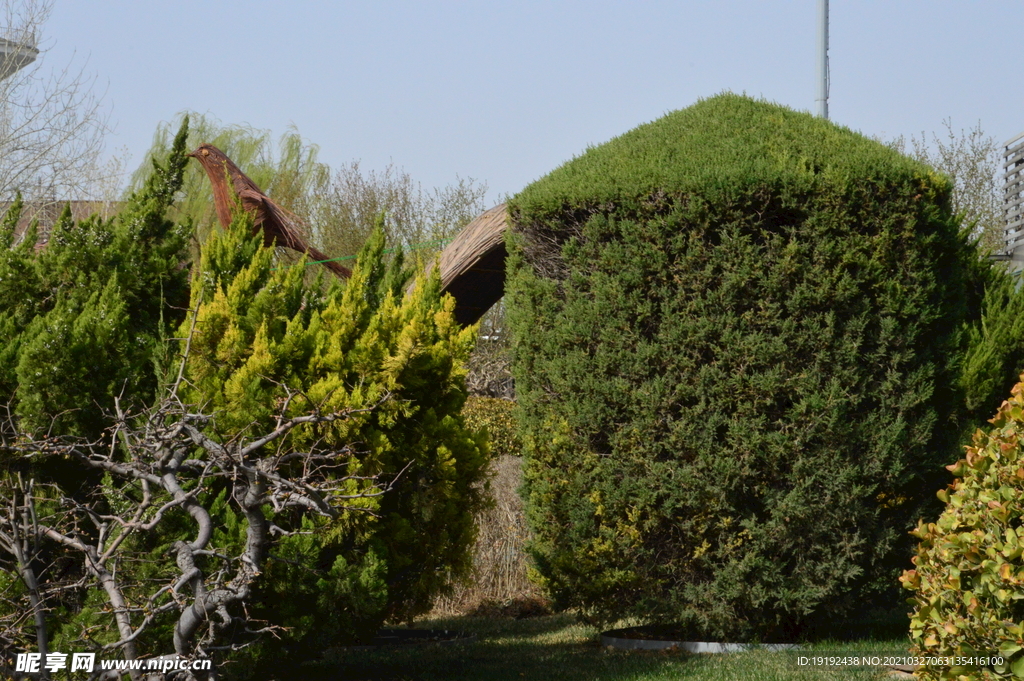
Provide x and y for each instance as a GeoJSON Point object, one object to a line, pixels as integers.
{"type": "Point", "coordinates": [1017, 667]}
{"type": "Point", "coordinates": [1009, 648]}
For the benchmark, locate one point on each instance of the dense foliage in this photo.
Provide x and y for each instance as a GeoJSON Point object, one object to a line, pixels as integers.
{"type": "Point", "coordinates": [993, 348]}
{"type": "Point", "coordinates": [85, 317]}
{"type": "Point", "coordinates": [498, 418]}
{"type": "Point", "coordinates": [737, 338]}
{"type": "Point", "coordinates": [100, 312]}
{"type": "Point", "coordinates": [261, 334]}
{"type": "Point", "coordinates": [968, 580]}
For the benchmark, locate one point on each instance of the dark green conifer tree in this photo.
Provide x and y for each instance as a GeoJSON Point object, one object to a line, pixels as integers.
{"type": "Point", "coordinates": [85, 317]}
{"type": "Point", "coordinates": [738, 340]}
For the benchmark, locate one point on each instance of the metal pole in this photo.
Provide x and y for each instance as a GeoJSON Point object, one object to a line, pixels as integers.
{"type": "Point", "coordinates": [823, 58]}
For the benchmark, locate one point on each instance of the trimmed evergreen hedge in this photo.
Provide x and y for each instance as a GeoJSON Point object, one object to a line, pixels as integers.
{"type": "Point", "coordinates": [737, 332]}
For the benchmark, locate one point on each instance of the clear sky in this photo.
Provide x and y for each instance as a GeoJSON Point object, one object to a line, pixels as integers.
{"type": "Point", "coordinates": [505, 91]}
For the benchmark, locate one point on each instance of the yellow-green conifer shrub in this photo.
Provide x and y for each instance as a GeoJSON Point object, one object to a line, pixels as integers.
{"type": "Point", "coordinates": [261, 330]}
{"type": "Point", "coordinates": [968, 582]}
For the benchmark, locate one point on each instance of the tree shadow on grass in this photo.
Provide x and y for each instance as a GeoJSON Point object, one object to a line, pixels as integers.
{"type": "Point", "coordinates": [553, 648]}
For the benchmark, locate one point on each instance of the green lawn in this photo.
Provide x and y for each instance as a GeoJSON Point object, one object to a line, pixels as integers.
{"type": "Point", "coordinates": [560, 649]}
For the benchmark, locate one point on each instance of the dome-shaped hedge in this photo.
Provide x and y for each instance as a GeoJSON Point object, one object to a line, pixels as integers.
{"type": "Point", "coordinates": [736, 337]}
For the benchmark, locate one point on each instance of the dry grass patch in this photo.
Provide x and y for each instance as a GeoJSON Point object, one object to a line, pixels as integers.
{"type": "Point", "coordinates": [500, 585]}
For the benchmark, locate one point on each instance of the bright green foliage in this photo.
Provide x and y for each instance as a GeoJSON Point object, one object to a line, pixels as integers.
{"type": "Point", "coordinates": [361, 345]}
{"type": "Point", "coordinates": [498, 418]}
{"type": "Point", "coordinates": [968, 582]}
{"type": "Point", "coordinates": [737, 335]}
{"type": "Point", "coordinates": [83, 318]}
{"type": "Point", "coordinates": [995, 347]}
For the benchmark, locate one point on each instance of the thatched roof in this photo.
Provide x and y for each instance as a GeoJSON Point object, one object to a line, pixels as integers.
{"type": "Point", "coordinates": [473, 265]}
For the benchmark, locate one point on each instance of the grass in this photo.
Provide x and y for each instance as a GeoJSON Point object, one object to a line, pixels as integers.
{"type": "Point", "coordinates": [558, 648]}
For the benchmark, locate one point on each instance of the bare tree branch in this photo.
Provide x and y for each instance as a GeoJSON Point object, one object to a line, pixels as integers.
{"type": "Point", "coordinates": [168, 459]}
{"type": "Point", "coordinates": [52, 124]}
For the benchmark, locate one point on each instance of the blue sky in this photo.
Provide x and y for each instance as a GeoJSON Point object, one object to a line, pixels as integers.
{"type": "Point", "coordinates": [504, 92]}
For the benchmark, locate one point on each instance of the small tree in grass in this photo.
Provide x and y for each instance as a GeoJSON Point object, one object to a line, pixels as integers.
{"type": "Point", "coordinates": [738, 334]}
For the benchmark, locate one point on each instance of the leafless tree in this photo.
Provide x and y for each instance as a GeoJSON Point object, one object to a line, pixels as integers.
{"type": "Point", "coordinates": [163, 463]}
{"type": "Point", "coordinates": [343, 209]}
{"type": "Point", "coordinates": [21, 540]}
{"type": "Point", "coordinates": [52, 124]}
{"type": "Point", "coordinates": [973, 161]}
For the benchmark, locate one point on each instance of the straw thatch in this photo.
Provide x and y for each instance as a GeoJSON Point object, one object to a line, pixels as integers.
{"type": "Point", "coordinates": [473, 265]}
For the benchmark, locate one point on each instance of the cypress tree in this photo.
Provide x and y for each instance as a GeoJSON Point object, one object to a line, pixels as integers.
{"type": "Point", "coordinates": [85, 317]}
{"type": "Point", "coordinates": [994, 355]}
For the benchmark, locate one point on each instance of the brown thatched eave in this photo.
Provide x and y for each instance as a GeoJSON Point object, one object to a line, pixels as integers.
{"type": "Point", "coordinates": [473, 265]}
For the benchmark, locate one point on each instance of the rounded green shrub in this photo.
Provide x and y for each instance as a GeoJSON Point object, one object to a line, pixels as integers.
{"type": "Point", "coordinates": [968, 580]}
{"type": "Point", "coordinates": [498, 418]}
{"type": "Point", "coordinates": [736, 341]}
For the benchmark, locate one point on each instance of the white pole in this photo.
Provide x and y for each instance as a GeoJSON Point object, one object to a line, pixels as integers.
{"type": "Point", "coordinates": [823, 58]}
